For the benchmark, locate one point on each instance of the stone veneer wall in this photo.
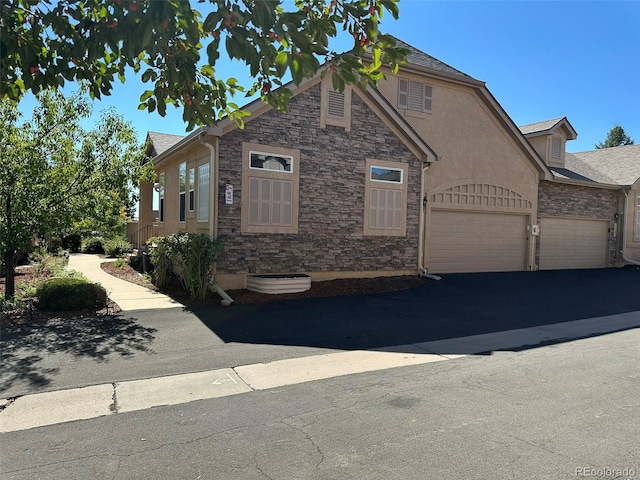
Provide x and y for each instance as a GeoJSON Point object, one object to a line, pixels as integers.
{"type": "Point", "coordinates": [332, 192]}
{"type": "Point", "coordinates": [564, 200]}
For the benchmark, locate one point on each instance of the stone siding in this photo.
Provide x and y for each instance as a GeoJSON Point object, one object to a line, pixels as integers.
{"type": "Point", "coordinates": [577, 201]}
{"type": "Point", "coordinates": [331, 194]}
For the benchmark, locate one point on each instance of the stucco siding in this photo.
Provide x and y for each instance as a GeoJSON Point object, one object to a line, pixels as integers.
{"type": "Point", "coordinates": [331, 194]}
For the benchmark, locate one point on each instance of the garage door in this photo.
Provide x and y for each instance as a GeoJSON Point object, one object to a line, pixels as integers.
{"type": "Point", "coordinates": [476, 242]}
{"type": "Point", "coordinates": [573, 243]}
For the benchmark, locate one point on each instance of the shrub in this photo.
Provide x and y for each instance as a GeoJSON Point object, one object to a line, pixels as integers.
{"type": "Point", "coordinates": [119, 263]}
{"type": "Point", "coordinates": [72, 242]}
{"type": "Point", "coordinates": [68, 294]}
{"type": "Point", "coordinates": [8, 304]}
{"type": "Point", "coordinates": [94, 245]}
{"type": "Point", "coordinates": [116, 247]}
{"type": "Point", "coordinates": [54, 244]}
{"type": "Point", "coordinates": [190, 256]}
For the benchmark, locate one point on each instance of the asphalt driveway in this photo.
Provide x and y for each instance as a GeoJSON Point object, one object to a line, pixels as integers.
{"type": "Point", "coordinates": [458, 305]}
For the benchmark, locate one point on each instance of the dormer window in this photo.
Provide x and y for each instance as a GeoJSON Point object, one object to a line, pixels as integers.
{"type": "Point", "coordinates": [414, 96]}
{"type": "Point", "coordinates": [556, 148]}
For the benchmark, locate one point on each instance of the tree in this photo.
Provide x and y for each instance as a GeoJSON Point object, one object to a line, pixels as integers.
{"type": "Point", "coordinates": [55, 174]}
{"type": "Point", "coordinates": [616, 137]}
{"type": "Point", "coordinates": [44, 44]}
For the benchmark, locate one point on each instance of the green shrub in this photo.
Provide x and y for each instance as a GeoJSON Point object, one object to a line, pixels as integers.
{"type": "Point", "coordinates": [94, 245]}
{"type": "Point", "coordinates": [190, 256]}
{"type": "Point", "coordinates": [54, 244]}
{"type": "Point", "coordinates": [119, 263]}
{"type": "Point", "coordinates": [8, 304]}
{"type": "Point", "coordinates": [45, 265]}
{"type": "Point", "coordinates": [72, 242]}
{"type": "Point", "coordinates": [116, 247]}
{"type": "Point", "coordinates": [68, 294]}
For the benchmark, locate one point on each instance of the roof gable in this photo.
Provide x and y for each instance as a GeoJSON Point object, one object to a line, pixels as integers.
{"type": "Point", "coordinates": [161, 142]}
{"type": "Point", "coordinates": [548, 127]}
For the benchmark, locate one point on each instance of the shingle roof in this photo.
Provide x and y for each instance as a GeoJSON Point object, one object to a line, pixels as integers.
{"type": "Point", "coordinates": [615, 165]}
{"type": "Point", "coordinates": [540, 126]}
{"type": "Point", "coordinates": [162, 141]}
{"type": "Point", "coordinates": [422, 59]}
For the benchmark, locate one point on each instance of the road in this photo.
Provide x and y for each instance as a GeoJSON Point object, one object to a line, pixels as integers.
{"type": "Point", "coordinates": [562, 411]}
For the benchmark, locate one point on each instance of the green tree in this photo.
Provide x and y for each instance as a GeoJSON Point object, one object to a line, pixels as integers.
{"type": "Point", "coordinates": [44, 44]}
{"type": "Point", "coordinates": [54, 174]}
{"type": "Point", "coordinates": [616, 137]}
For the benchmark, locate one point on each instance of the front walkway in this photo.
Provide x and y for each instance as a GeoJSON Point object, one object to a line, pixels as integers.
{"type": "Point", "coordinates": [127, 295]}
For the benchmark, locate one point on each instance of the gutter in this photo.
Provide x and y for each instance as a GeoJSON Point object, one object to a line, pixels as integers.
{"type": "Point", "coordinates": [623, 251]}
{"type": "Point", "coordinates": [421, 224]}
{"type": "Point", "coordinates": [213, 181]}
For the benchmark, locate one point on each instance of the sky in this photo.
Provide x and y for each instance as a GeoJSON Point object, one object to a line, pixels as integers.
{"type": "Point", "coordinates": [540, 60]}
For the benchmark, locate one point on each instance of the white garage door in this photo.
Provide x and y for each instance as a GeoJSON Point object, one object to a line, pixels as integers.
{"type": "Point", "coordinates": [476, 242]}
{"type": "Point", "coordinates": [573, 243]}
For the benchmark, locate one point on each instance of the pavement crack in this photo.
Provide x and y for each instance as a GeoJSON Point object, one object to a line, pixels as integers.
{"type": "Point", "coordinates": [257, 466]}
{"type": "Point", "coordinates": [308, 438]}
{"type": "Point", "coordinates": [114, 406]}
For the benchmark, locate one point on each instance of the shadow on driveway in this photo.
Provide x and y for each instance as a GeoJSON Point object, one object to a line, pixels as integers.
{"type": "Point", "coordinates": [457, 306]}
{"type": "Point", "coordinates": [27, 348]}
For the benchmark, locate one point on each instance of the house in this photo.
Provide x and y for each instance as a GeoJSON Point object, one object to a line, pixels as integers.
{"type": "Point", "coordinates": [426, 173]}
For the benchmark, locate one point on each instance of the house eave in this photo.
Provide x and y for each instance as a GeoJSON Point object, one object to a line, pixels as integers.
{"type": "Point", "coordinates": [580, 183]}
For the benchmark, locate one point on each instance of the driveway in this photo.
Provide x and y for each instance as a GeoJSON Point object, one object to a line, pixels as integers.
{"type": "Point", "coordinates": [152, 343]}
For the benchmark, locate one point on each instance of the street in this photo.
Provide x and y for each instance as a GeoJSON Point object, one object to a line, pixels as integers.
{"type": "Point", "coordinates": [561, 411]}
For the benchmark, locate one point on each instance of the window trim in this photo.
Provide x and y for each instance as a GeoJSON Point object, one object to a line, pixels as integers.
{"type": "Point", "coordinates": [161, 196]}
{"type": "Point", "coordinates": [325, 119]}
{"type": "Point", "coordinates": [386, 168]}
{"type": "Point", "coordinates": [385, 185]}
{"type": "Point", "coordinates": [191, 177]}
{"type": "Point", "coordinates": [248, 173]}
{"type": "Point", "coordinates": [270, 169]}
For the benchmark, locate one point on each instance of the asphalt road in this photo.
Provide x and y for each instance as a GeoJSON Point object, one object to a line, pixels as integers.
{"type": "Point", "coordinates": [563, 411]}
{"type": "Point", "coordinates": [143, 344]}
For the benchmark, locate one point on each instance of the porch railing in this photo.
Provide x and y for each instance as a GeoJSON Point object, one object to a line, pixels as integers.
{"type": "Point", "coordinates": [139, 238]}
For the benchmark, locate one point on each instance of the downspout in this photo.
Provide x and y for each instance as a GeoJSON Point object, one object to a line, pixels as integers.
{"type": "Point", "coordinates": [213, 227]}
{"type": "Point", "coordinates": [421, 224]}
{"type": "Point", "coordinates": [623, 251]}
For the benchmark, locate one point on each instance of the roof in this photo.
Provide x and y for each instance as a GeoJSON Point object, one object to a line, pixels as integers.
{"type": "Point", "coordinates": [419, 58]}
{"type": "Point", "coordinates": [162, 142]}
{"type": "Point", "coordinates": [615, 165]}
{"type": "Point", "coordinates": [547, 126]}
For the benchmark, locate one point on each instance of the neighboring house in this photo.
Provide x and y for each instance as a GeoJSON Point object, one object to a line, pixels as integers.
{"type": "Point", "coordinates": [427, 173]}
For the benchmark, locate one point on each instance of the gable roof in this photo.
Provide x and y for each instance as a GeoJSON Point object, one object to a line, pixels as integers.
{"type": "Point", "coordinates": [615, 165]}
{"type": "Point", "coordinates": [547, 127]}
{"type": "Point", "coordinates": [419, 58]}
{"type": "Point", "coordinates": [161, 142]}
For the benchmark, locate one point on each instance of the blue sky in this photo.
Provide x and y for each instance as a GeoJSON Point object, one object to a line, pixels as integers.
{"type": "Point", "coordinates": [540, 59]}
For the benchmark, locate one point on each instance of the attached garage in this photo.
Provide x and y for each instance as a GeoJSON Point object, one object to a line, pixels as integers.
{"type": "Point", "coordinates": [471, 241]}
{"type": "Point", "coordinates": [573, 243]}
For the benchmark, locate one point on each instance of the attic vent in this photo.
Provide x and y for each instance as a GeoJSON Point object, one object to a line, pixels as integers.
{"type": "Point", "coordinates": [414, 96]}
{"type": "Point", "coordinates": [335, 104]}
{"type": "Point", "coordinates": [556, 143]}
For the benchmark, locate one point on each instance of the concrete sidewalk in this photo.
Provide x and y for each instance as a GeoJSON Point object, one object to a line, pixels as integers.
{"type": "Point", "coordinates": [127, 295]}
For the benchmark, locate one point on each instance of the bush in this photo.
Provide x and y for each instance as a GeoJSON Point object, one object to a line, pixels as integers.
{"type": "Point", "coordinates": [9, 304]}
{"type": "Point", "coordinates": [119, 263]}
{"type": "Point", "coordinates": [72, 242]}
{"type": "Point", "coordinates": [68, 294]}
{"type": "Point", "coordinates": [54, 244]}
{"type": "Point", "coordinates": [94, 245]}
{"type": "Point", "coordinates": [190, 256]}
{"type": "Point", "coordinates": [116, 247]}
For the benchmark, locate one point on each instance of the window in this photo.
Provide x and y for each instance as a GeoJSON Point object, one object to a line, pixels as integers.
{"type": "Point", "coordinates": [385, 198]}
{"type": "Point", "coordinates": [192, 195]}
{"type": "Point", "coordinates": [556, 146]}
{"type": "Point", "coordinates": [270, 180]}
{"type": "Point", "coordinates": [182, 178]}
{"type": "Point", "coordinates": [414, 96]}
{"type": "Point", "coordinates": [161, 197]}
{"type": "Point", "coordinates": [203, 193]}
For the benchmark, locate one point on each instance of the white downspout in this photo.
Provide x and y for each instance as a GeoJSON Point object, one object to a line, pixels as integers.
{"type": "Point", "coordinates": [623, 251]}
{"type": "Point", "coordinates": [421, 224]}
{"type": "Point", "coordinates": [213, 227]}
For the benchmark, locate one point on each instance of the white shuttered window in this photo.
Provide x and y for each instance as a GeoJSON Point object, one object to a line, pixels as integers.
{"type": "Point", "coordinates": [385, 198]}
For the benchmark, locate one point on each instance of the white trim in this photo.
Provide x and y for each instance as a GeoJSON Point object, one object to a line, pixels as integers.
{"type": "Point", "coordinates": [251, 152]}
{"type": "Point", "coordinates": [401, 182]}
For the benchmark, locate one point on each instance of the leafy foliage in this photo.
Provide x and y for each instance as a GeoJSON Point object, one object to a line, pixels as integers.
{"type": "Point", "coordinates": [68, 294]}
{"type": "Point", "coordinates": [117, 246]}
{"type": "Point", "coordinates": [57, 177]}
{"type": "Point", "coordinates": [45, 44]}
{"type": "Point", "coordinates": [94, 244]}
{"type": "Point", "coordinates": [190, 256]}
{"type": "Point", "coordinates": [616, 137]}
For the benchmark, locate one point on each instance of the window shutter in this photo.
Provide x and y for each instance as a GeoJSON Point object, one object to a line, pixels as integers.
{"type": "Point", "coordinates": [386, 209]}
{"type": "Point", "coordinates": [270, 202]}
{"type": "Point", "coordinates": [403, 93]}
{"type": "Point", "coordinates": [555, 147]}
{"type": "Point", "coordinates": [416, 96]}
{"type": "Point", "coordinates": [335, 103]}
{"type": "Point", "coordinates": [428, 93]}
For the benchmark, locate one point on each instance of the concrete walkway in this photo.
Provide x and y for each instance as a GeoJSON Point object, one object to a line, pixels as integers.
{"type": "Point", "coordinates": [127, 295]}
